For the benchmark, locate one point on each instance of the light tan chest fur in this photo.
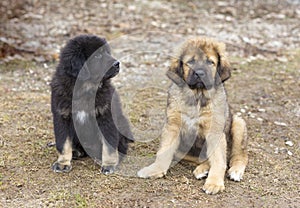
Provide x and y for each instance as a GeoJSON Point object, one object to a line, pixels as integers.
{"type": "Point", "coordinates": [191, 116]}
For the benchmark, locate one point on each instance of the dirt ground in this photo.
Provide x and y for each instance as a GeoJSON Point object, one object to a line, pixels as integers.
{"type": "Point", "coordinates": [264, 48]}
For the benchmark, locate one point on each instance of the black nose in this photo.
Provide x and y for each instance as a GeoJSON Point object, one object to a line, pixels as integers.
{"type": "Point", "coordinates": [116, 64]}
{"type": "Point", "coordinates": [200, 73]}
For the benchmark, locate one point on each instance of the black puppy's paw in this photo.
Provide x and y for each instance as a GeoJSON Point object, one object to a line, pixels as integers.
{"type": "Point", "coordinates": [109, 169]}
{"type": "Point", "coordinates": [77, 154]}
{"type": "Point", "coordinates": [59, 168]}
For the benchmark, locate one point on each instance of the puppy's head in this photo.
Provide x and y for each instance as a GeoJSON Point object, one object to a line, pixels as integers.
{"type": "Point", "coordinates": [201, 64]}
{"type": "Point", "coordinates": [88, 57]}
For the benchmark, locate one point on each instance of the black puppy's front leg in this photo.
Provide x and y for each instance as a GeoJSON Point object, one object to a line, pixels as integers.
{"type": "Point", "coordinates": [110, 141]}
{"type": "Point", "coordinates": [63, 145]}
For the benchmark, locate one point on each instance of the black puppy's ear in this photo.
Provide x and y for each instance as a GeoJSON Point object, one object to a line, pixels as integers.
{"type": "Point", "coordinates": [77, 67]}
{"type": "Point", "coordinates": [175, 72]}
{"type": "Point", "coordinates": [223, 68]}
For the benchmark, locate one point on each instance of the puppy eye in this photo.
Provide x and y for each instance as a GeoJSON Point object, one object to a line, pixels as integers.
{"type": "Point", "coordinates": [191, 62]}
{"type": "Point", "coordinates": [98, 56]}
{"type": "Point", "coordinates": [210, 62]}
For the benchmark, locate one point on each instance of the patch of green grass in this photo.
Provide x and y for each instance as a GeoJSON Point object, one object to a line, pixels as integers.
{"type": "Point", "coordinates": [15, 65]}
{"type": "Point", "coordinates": [5, 118]}
{"type": "Point", "coordinates": [60, 195]}
{"type": "Point", "coordinates": [291, 65]}
{"type": "Point", "coordinates": [1, 178]}
{"type": "Point", "coordinates": [293, 60]}
{"type": "Point", "coordinates": [80, 201]}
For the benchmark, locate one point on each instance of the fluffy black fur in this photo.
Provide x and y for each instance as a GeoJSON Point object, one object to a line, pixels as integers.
{"type": "Point", "coordinates": [85, 106]}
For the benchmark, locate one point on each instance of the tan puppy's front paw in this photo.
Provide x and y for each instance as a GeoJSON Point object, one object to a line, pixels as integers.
{"type": "Point", "coordinates": [152, 171]}
{"type": "Point", "coordinates": [213, 188]}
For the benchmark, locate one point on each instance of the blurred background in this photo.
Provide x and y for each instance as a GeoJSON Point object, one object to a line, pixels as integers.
{"type": "Point", "coordinates": [39, 28]}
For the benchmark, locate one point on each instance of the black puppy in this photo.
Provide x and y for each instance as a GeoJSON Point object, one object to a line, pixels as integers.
{"type": "Point", "coordinates": [86, 108]}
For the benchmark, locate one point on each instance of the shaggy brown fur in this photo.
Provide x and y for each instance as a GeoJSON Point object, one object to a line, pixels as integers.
{"type": "Point", "coordinates": [199, 124]}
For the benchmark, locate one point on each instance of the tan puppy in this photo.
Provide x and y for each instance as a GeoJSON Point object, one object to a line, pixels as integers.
{"type": "Point", "coordinates": [199, 125]}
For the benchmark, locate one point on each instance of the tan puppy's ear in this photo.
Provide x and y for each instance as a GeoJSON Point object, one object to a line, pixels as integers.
{"type": "Point", "coordinates": [175, 72]}
{"type": "Point", "coordinates": [223, 68]}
